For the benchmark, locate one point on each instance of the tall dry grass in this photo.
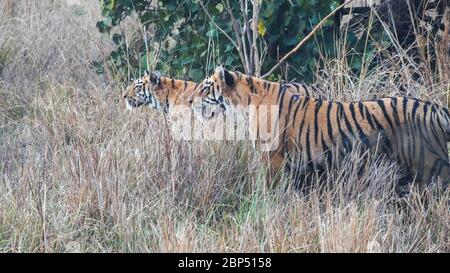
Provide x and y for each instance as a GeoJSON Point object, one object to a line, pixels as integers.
{"type": "Point", "coordinates": [80, 173]}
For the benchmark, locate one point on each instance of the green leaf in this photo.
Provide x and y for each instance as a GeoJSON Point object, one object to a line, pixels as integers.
{"type": "Point", "coordinates": [261, 28]}
{"type": "Point", "coordinates": [115, 55]}
{"type": "Point", "coordinates": [126, 3]}
{"type": "Point", "coordinates": [117, 38]}
{"type": "Point", "coordinates": [219, 7]}
{"type": "Point", "coordinates": [171, 6]}
{"type": "Point", "coordinates": [107, 4]}
{"type": "Point", "coordinates": [98, 67]}
{"type": "Point", "coordinates": [301, 25]}
{"type": "Point", "coordinates": [187, 60]}
{"type": "Point", "coordinates": [108, 21]}
{"type": "Point", "coordinates": [228, 47]}
{"type": "Point", "coordinates": [211, 33]}
{"type": "Point", "coordinates": [102, 27]}
{"type": "Point", "coordinates": [290, 41]}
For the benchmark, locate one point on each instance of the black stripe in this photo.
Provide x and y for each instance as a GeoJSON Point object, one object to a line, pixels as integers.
{"type": "Point", "coordinates": [329, 127]}
{"type": "Point", "coordinates": [369, 119]}
{"type": "Point", "coordinates": [250, 83]}
{"type": "Point", "coordinates": [346, 121]}
{"type": "Point", "coordinates": [305, 102]}
{"type": "Point", "coordinates": [316, 121]}
{"type": "Point", "coordinates": [405, 106]}
{"type": "Point", "coordinates": [344, 138]}
{"type": "Point", "coordinates": [308, 146]}
{"type": "Point", "coordinates": [282, 89]}
{"type": "Point", "coordinates": [361, 110]}
{"type": "Point", "coordinates": [302, 123]}
{"type": "Point", "coordinates": [286, 123]}
{"type": "Point", "coordinates": [296, 110]}
{"type": "Point", "coordinates": [394, 110]}
{"type": "Point", "coordinates": [414, 110]}
{"type": "Point", "coordinates": [296, 86]}
{"type": "Point", "coordinates": [305, 88]}
{"type": "Point", "coordinates": [425, 139]}
{"type": "Point", "coordinates": [328, 153]}
{"type": "Point", "coordinates": [361, 134]}
{"type": "Point", "coordinates": [386, 116]}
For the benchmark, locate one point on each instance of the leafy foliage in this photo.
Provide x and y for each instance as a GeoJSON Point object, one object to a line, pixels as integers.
{"type": "Point", "coordinates": [188, 39]}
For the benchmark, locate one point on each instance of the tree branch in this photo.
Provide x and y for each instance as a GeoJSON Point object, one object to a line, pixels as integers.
{"type": "Point", "coordinates": [236, 27]}
{"type": "Point", "coordinates": [247, 33]}
{"type": "Point", "coordinates": [256, 9]}
{"type": "Point", "coordinates": [302, 42]}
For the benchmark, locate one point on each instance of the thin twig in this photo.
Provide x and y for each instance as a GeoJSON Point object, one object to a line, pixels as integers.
{"type": "Point", "coordinates": [302, 42]}
{"type": "Point", "coordinates": [236, 27]}
{"type": "Point", "coordinates": [247, 33]}
{"type": "Point", "coordinates": [217, 26]}
{"type": "Point", "coordinates": [255, 56]}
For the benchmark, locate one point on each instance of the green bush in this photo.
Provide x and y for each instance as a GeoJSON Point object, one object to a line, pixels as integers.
{"type": "Point", "coordinates": [186, 33]}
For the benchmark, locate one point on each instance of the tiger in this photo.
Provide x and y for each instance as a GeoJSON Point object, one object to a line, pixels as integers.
{"type": "Point", "coordinates": [161, 93]}
{"type": "Point", "coordinates": [164, 93]}
{"type": "Point", "coordinates": [411, 131]}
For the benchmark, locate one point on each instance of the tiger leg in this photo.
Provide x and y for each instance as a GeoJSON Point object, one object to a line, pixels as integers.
{"type": "Point", "coordinates": [299, 175]}
{"type": "Point", "coordinates": [435, 169]}
{"type": "Point", "coordinates": [440, 172]}
{"type": "Point", "coordinates": [274, 162]}
{"type": "Point", "coordinates": [276, 165]}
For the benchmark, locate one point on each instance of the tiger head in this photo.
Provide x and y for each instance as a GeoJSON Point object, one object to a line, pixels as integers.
{"type": "Point", "coordinates": [214, 92]}
{"type": "Point", "coordinates": [141, 92]}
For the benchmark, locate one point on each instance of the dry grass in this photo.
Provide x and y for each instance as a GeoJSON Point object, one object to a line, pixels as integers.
{"type": "Point", "coordinates": [79, 173]}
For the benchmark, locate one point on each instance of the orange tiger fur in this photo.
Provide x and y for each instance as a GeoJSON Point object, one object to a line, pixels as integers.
{"type": "Point", "coordinates": [161, 93]}
{"type": "Point", "coordinates": [413, 132]}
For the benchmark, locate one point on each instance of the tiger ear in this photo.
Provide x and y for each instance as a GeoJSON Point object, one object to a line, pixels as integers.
{"type": "Point", "coordinates": [225, 76]}
{"type": "Point", "coordinates": [155, 77]}
{"type": "Point", "coordinates": [146, 73]}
